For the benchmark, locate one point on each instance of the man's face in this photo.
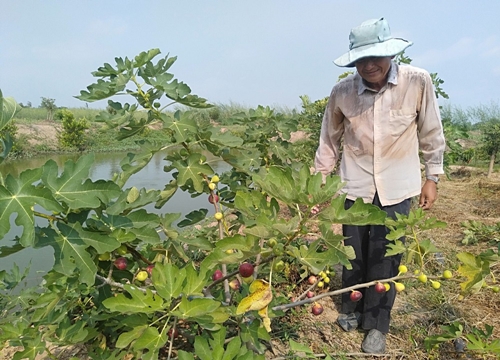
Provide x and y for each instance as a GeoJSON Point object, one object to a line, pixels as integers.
{"type": "Point", "coordinates": [374, 69]}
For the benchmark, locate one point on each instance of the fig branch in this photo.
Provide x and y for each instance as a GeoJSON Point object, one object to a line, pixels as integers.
{"type": "Point", "coordinates": [347, 289]}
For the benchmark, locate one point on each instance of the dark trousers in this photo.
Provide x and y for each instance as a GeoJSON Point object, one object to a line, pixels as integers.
{"type": "Point", "coordinates": [369, 243]}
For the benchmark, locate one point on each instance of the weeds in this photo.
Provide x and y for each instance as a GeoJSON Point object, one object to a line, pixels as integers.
{"type": "Point", "coordinates": [476, 231]}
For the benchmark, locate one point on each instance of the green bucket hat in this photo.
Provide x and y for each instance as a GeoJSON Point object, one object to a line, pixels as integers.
{"type": "Point", "coordinates": [371, 38]}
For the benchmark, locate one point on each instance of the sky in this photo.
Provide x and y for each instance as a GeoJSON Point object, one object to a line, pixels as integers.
{"type": "Point", "coordinates": [249, 53]}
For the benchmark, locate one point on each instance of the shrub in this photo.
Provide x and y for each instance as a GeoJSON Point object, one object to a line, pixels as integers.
{"type": "Point", "coordinates": [73, 131]}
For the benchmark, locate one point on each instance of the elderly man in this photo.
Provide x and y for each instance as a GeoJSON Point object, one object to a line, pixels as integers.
{"type": "Point", "coordinates": [385, 113]}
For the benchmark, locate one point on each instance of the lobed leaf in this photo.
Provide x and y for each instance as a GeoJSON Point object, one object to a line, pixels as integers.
{"type": "Point", "coordinates": [20, 196]}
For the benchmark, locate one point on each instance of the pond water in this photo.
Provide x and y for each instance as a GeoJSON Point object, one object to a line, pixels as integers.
{"type": "Point", "coordinates": [104, 166]}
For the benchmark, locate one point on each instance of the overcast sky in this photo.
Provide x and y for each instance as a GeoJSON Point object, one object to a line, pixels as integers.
{"type": "Point", "coordinates": [266, 52]}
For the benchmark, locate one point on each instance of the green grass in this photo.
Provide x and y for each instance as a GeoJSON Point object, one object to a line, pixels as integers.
{"type": "Point", "coordinates": [101, 139]}
{"type": "Point", "coordinates": [32, 115]}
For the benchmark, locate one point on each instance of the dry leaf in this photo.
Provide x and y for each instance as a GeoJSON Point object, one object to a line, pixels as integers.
{"type": "Point", "coordinates": [260, 296]}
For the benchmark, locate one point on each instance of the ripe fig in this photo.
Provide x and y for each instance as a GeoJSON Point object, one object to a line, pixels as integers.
{"type": "Point", "coordinates": [380, 287]}
{"type": "Point", "coordinates": [173, 333]}
{"type": "Point", "coordinates": [312, 280]}
{"type": "Point", "coordinates": [246, 269]}
{"type": "Point", "coordinates": [317, 309]}
{"type": "Point", "coordinates": [217, 275]}
{"type": "Point", "coordinates": [150, 268]}
{"type": "Point", "coordinates": [355, 295]}
{"type": "Point", "coordinates": [121, 263]}
{"type": "Point", "coordinates": [234, 284]}
{"type": "Point", "coordinates": [310, 294]}
{"type": "Point", "coordinates": [213, 198]}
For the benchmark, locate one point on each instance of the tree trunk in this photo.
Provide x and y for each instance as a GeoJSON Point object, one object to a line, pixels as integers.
{"type": "Point", "coordinates": [492, 162]}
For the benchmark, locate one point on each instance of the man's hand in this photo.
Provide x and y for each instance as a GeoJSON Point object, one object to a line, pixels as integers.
{"type": "Point", "coordinates": [428, 195]}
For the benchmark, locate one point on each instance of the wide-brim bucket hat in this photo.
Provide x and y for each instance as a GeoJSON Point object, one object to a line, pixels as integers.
{"type": "Point", "coordinates": [371, 38]}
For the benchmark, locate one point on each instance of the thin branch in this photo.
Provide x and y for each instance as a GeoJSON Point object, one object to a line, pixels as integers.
{"type": "Point", "coordinates": [119, 285]}
{"type": "Point", "coordinates": [344, 290]}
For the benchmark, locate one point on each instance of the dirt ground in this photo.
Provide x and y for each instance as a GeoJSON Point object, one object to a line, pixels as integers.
{"type": "Point", "coordinates": [467, 195]}
{"type": "Point", "coordinates": [420, 310]}
{"type": "Point", "coordinates": [43, 132]}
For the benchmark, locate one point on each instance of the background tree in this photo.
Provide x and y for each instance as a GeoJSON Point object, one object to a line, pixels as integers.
{"type": "Point", "coordinates": [50, 106]}
{"type": "Point", "coordinates": [488, 117]}
{"type": "Point", "coordinates": [73, 131]}
{"type": "Point", "coordinates": [8, 108]}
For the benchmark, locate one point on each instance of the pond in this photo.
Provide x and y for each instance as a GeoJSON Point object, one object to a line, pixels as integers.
{"type": "Point", "coordinates": [105, 165]}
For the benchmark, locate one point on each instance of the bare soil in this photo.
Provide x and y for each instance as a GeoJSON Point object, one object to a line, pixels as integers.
{"type": "Point", "coordinates": [418, 312]}
{"type": "Point", "coordinates": [43, 132]}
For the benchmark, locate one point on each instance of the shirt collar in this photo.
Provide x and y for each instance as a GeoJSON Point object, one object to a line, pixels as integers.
{"type": "Point", "coordinates": [392, 78]}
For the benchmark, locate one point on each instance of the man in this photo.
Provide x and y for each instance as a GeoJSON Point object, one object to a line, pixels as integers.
{"type": "Point", "coordinates": [385, 113]}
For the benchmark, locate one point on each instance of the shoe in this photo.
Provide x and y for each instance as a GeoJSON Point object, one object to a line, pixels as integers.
{"type": "Point", "coordinates": [349, 322]}
{"type": "Point", "coordinates": [374, 342]}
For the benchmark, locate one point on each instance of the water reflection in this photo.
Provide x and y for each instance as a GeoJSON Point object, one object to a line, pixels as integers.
{"type": "Point", "coordinates": [104, 167]}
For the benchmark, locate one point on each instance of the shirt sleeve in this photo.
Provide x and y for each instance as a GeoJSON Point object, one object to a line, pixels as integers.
{"type": "Point", "coordinates": [332, 129]}
{"type": "Point", "coordinates": [430, 129]}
